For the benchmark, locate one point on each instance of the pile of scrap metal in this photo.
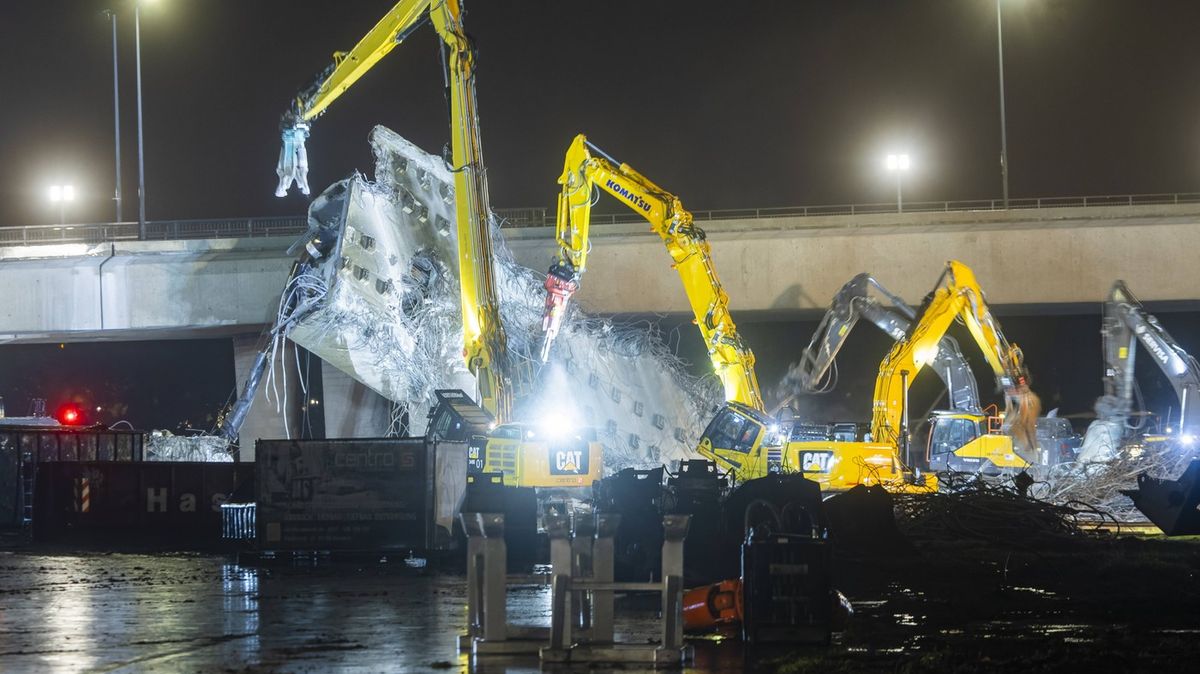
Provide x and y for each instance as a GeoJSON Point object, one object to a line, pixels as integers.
{"type": "Point", "coordinates": [163, 446]}
{"type": "Point", "coordinates": [379, 301]}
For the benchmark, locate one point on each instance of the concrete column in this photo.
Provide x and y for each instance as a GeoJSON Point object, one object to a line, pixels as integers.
{"type": "Point", "coordinates": [264, 419]}
{"type": "Point", "coordinates": [351, 409]}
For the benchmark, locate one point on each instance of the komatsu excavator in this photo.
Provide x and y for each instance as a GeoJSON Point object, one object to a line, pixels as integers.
{"type": "Point", "coordinates": [742, 438]}
{"type": "Point", "coordinates": [1125, 324]}
{"type": "Point", "coordinates": [525, 463]}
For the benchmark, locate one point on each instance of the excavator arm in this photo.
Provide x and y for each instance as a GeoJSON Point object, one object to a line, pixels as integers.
{"type": "Point", "coordinates": [1126, 323]}
{"type": "Point", "coordinates": [957, 296]}
{"type": "Point", "coordinates": [484, 344]}
{"type": "Point", "coordinates": [690, 253]}
{"type": "Point", "coordinates": [812, 374]}
{"type": "Point", "coordinates": [295, 123]}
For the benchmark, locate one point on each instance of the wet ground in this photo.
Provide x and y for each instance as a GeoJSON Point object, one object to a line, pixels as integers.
{"type": "Point", "coordinates": [1121, 605]}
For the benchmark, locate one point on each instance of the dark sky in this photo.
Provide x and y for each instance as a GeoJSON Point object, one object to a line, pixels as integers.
{"type": "Point", "coordinates": [727, 104]}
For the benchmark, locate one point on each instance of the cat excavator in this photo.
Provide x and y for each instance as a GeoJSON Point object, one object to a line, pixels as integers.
{"type": "Point", "coordinates": [742, 437]}
{"type": "Point", "coordinates": [524, 457]}
{"type": "Point", "coordinates": [957, 443]}
{"type": "Point", "coordinates": [951, 430]}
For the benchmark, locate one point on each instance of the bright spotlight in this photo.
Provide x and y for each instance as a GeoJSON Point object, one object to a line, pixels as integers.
{"type": "Point", "coordinates": [556, 426]}
{"type": "Point", "coordinates": [59, 193]}
{"type": "Point", "coordinates": [1188, 439]}
{"type": "Point", "coordinates": [897, 162]}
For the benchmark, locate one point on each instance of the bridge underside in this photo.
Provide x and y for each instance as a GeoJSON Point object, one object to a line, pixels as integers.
{"type": "Point", "coordinates": [1034, 262]}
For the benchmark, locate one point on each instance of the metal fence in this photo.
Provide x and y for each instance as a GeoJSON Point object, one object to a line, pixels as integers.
{"type": "Point", "coordinates": [544, 217]}
{"type": "Point", "coordinates": [157, 230]}
{"type": "Point", "coordinates": [294, 225]}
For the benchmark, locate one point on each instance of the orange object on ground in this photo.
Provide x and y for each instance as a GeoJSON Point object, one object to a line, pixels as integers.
{"type": "Point", "coordinates": [713, 605]}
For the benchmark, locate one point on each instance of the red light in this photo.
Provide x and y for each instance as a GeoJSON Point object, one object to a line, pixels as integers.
{"type": "Point", "coordinates": [70, 415]}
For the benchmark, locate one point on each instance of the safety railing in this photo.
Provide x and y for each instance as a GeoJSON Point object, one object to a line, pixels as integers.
{"type": "Point", "coordinates": [293, 225]}
{"type": "Point", "coordinates": [157, 230]}
{"type": "Point", "coordinates": [544, 217]}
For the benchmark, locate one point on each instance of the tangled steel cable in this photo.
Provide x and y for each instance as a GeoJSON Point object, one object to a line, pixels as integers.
{"type": "Point", "coordinates": [977, 510]}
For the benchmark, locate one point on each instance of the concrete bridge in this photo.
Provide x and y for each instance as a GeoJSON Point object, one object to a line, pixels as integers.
{"type": "Point", "coordinates": [1058, 258]}
{"type": "Point", "coordinates": [85, 283]}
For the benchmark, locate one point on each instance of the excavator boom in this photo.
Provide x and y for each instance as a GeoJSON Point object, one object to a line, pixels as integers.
{"type": "Point", "coordinates": [815, 372]}
{"type": "Point", "coordinates": [1126, 324]}
{"type": "Point", "coordinates": [957, 296]}
{"type": "Point", "coordinates": [484, 343]}
{"type": "Point", "coordinates": [585, 168]}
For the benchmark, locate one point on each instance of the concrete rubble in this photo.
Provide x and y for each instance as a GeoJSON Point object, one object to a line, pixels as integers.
{"type": "Point", "coordinates": [384, 308]}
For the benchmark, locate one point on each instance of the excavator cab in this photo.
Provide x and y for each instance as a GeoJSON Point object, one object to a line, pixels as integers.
{"type": "Point", "coordinates": [743, 441]}
{"type": "Point", "coordinates": [971, 443]}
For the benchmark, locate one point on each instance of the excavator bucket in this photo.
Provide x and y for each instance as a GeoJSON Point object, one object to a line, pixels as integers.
{"type": "Point", "coordinates": [1172, 505]}
{"type": "Point", "coordinates": [1023, 423]}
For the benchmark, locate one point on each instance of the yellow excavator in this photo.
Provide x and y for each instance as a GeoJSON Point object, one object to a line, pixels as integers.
{"type": "Point", "coordinates": [964, 435]}
{"type": "Point", "coordinates": [742, 438]}
{"type": "Point", "coordinates": [527, 458]}
{"type": "Point", "coordinates": [964, 438]}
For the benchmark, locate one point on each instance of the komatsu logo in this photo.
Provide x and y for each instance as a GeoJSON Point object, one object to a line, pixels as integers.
{"type": "Point", "coordinates": [634, 200]}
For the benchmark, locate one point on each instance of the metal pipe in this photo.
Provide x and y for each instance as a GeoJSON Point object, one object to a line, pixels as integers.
{"type": "Point", "coordinates": [116, 116]}
{"type": "Point", "coordinates": [904, 418]}
{"type": "Point", "coordinates": [1182, 409]}
{"type": "Point", "coordinates": [137, 33]}
{"type": "Point", "coordinates": [1003, 124]}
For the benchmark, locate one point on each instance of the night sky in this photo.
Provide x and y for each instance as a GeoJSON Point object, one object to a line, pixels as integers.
{"type": "Point", "coordinates": [730, 105]}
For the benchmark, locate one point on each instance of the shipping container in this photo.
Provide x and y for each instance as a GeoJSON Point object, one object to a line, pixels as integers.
{"type": "Point", "coordinates": [174, 505]}
{"type": "Point", "coordinates": [22, 448]}
{"type": "Point", "coordinates": [348, 494]}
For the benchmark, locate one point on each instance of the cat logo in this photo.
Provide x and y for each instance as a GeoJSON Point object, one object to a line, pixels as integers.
{"type": "Point", "coordinates": [568, 462]}
{"type": "Point", "coordinates": [815, 462]}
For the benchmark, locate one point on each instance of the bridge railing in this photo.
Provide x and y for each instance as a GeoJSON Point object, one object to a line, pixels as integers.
{"type": "Point", "coordinates": [294, 225]}
{"type": "Point", "coordinates": [156, 230]}
{"type": "Point", "coordinates": [544, 217]}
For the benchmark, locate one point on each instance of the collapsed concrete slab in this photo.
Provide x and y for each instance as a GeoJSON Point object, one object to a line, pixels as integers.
{"type": "Point", "coordinates": [383, 307]}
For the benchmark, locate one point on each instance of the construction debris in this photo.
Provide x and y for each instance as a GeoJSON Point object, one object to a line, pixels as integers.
{"type": "Point", "coordinates": [1100, 483]}
{"type": "Point", "coordinates": [163, 446]}
{"type": "Point", "coordinates": [383, 306]}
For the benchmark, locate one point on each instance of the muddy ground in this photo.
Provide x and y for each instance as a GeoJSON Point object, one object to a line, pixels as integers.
{"type": "Point", "coordinates": [1119, 604]}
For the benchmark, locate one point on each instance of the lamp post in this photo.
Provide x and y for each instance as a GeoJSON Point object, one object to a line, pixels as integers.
{"type": "Point", "coordinates": [137, 37]}
{"type": "Point", "coordinates": [61, 194]}
{"type": "Point", "coordinates": [116, 113]}
{"type": "Point", "coordinates": [1003, 124]}
{"type": "Point", "coordinates": [898, 164]}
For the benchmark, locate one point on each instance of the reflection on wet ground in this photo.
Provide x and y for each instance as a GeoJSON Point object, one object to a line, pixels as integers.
{"type": "Point", "coordinates": [102, 612]}
{"type": "Point", "coordinates": [117, 612]}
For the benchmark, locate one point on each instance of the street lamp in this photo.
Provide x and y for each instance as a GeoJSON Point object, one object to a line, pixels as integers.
{"type": "Point", "coordinates": [898, 164]}
{"type": "Point", "coordinates": [61, 194]}
{"type": "Point", "coordinates": [1003, 125]}
{"type": "Point", "coordinates": [137, 37]}
{"type": "Point", "coordinates": [116, 113]}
